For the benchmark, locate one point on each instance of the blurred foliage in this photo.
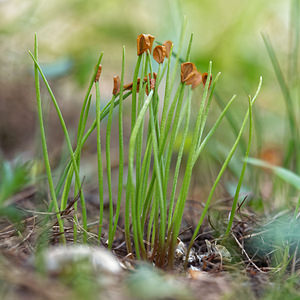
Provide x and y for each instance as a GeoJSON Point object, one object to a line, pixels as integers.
{"type": "Point", "coordinates": [13, 178]}
{"type": "Point", "coordinates": [147, 283]}
{"type": "Point", "coordinates": [72, 33]}
{"type": "Point", "coordinates": [227, 32]}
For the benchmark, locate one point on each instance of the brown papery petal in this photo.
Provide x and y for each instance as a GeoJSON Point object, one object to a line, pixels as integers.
{"type": "Point", "coordinates": [197, 79]}
{"type": "Point", "coordinates": [144, 43]}
{"type": "Point", "coordinates": [117, 84]}
{"type": "Point", "coordinates": [159, 54]}
{"type": "Point", "coordinates": [168, 45]}
{"type": "Point", "coordinates": [192, 77]}
{"type": "Point", "coordinates": [204, 78]}
{"type": "Point", "coordinates": [187, 71]}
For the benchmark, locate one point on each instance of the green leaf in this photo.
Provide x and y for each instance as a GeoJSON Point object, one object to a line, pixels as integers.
{"type": "Point", "coordinates": [13, 177]}
{"type": "Point", "coordinates": [284, 174]}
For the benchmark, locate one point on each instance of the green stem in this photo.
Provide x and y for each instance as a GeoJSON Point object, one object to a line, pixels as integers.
{"type": "Point", "coordinates": [77, 178]}
{"type": "Point", "coordinates": [237, 192]}
{"type": "Point", "coordinates": [79, 148]}
{"type": "Point", "coordinates": [223, 168]}
{"type": "Point", "coordinates": [108, 171]}
{"type": "Point", "coordinates": [99, 160]}
{"type": "Point", "coordinates": [81, 123]}
{"type": "Point", "coordinates": [134, 89]}
{"type": "Point", "coordinates": [44, 142]}
{"type": "Point", "coordinates": [179, 208]}
{"type": "Point", "coordinates": [179, 158]}
{"type": "Point", "coordinates": [130, 188]}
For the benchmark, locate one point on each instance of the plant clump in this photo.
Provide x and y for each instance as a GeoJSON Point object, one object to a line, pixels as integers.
{"type": "Point", "coordinates": [154, 194]}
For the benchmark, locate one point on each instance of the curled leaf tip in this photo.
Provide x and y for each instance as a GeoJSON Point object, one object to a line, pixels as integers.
{"type": "Point", "coordinates": [117, 83]}
{"type": "Point", "coordinates": [168, 45]}
{"type": "Point", "coordinates": [97, 77]}
{"type": "Point", "coordinates": [204, 79]}
{"type": "Point", "coordinates": [144, 43]}
{"type": "Point", "coordinates": [159, 53]}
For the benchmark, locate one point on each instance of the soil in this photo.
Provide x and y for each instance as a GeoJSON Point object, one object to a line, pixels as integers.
{"type": "Point", "coordinates": [213, 277]}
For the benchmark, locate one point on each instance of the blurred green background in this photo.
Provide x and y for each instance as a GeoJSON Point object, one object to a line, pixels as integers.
{"type": "Point", "coordinates": [72, 33]}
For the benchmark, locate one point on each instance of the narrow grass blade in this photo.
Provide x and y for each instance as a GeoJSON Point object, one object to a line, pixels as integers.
{"type": "Point", "coordinates": [44, 142]}
{"type": "Point", "coordinates": [284, 174]}
{"type": "Point", "coordinates": [99, 161]}
{"type": "Point", "coordinates": [61, 119]}
{"type": "Point", "coordinates": [85, 110]}
{"type": "Point", "coordinates": [239, 185]}
{"type": "Point", "coordinates": [108, 171]}
{"type": "Point", "coordinates": [231, 120]}
{"type": "Point", "coordinates": [121, 146]}
{"type": "Point", "coordinates": [287, 97]}
{"type": "Point", "coordinates": [179, 208]}
{"type": "Point", "coordinates": [130, 188]}
{"type": "Point", "coordinates": [187, 112]}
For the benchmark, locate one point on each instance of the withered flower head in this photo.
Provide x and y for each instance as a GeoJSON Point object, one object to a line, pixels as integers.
{"type": "Point", "coordinates": [154, 75]}
{"type": "Point", "coordinates": [152, 79]}
{"type": "Point", "coordinates": [190, 75]}
{"type": "Point", "coordinates": [117, 83]}
{"type": "Point", "coordinates": [159, 54]}
{"type": "Point", "coordinates": [168, 45]}
{"type": "Point", "coordinates": [197, 79]}
{"type": "Point", "coordinates": [144, 43]}
{"type": "Point", "coordinates": [97, 77]}
{"type": "Point", "coordinates": [188, 70]}
{"type": "Point", "coordinates": [204, 78]}
{"type": "Point", "coordinates": [152, 82]}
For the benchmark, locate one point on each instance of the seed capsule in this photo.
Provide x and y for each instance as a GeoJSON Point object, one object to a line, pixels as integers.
{"type": "Point", "coordinates": [168, 45]}
{"type": "Point", "coordinates": [204, 78]}
{"type": "Point", "coordinates": [144, 43]}
{"type": "Point", "coordinates": [97, 77]}
{"type": "Point", "coordinates": [188, 70]}
{"type": "Point", "coordinates": [159, 54]}
{"type": "Point", "coordinates": [190, 75]}
{"type": "Point", "coordinates": [117, 83]}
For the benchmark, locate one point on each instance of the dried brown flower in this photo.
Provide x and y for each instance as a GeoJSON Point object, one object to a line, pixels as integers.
{"type": "Point", "coordinates": [187, 72]}
{"type": "Point", "coordinates": [159, 53]}
{"type": "Point", "coordinates": [152, 82]}
{"type": "Point", "coordinates": [190, 75]}
{"type": "Point", "coordinates": [145, 79]}
{"type": "Point", "coordinates": [97, 77]}
{"type": "Point", "coordinates": [144, 43]}
{"type": "Point", "coordinates": [117, 83]}
{"type": "Point", "coordinates": [197, 79]}
{"type": "Point", "coordinates": [149, 75]}
{"type": "Point", "coordinates": [168, 45]}
{"type": "Point", "coordinates": [204, 78]}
